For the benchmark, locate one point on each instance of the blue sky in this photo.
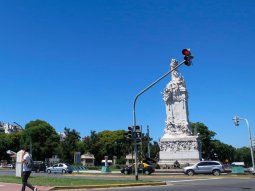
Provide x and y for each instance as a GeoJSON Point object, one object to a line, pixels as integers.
{"type": "Point", "coordinates": [80, 63]}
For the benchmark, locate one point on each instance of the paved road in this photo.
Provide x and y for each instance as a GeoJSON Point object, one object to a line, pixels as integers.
{"type": "Point", "coordinates": [174, 182]}
{"type": "Point", "coordinates": [215, 184]}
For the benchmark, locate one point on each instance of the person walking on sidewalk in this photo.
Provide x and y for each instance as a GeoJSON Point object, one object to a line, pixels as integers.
{"type": "Point", "coordinates": [27, 168]}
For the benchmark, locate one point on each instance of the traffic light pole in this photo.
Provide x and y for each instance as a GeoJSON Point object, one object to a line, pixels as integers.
{"type": "Point", "coordinates": [236, 120]}
{"type": "Point", "coordinates": [251, 147]}
{"type": "Point", "coordinates": [134, 113]}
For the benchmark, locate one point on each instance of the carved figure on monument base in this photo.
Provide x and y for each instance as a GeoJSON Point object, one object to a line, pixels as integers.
{"type": "Point", "coordinates": [177, 129]}
{"type": "Point", "coordinates": [178, 146]}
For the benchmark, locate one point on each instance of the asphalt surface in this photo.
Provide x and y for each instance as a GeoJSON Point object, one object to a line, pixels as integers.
{"type": "Point", "coordinates": [175, 182]}
{"type": "Point", "coordinates": [215, 184]}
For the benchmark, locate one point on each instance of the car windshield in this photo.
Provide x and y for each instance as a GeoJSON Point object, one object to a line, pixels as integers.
{"type": "Point", "coordinates": [67, 164]}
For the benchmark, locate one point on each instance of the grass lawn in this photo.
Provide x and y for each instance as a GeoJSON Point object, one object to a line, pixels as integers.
{"type": "Point", "coordinates": [52, 181]}
{"type": "Point", "coordinates": [4, 168]}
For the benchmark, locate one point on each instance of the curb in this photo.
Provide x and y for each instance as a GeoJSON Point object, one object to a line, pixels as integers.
{"type": "Point", "coordinates": [108, 185]}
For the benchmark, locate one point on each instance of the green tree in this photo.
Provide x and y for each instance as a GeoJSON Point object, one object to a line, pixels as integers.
{"type": "Point", "coordinates": [155, 150]}
{"type": "Point", "coordinates": [243, 154]}
{"type": "Point", "coordinates": [81, 147]}
{"type": "Point", "coordinates": [107, 143]}
{"type": "Point", "coordinates": [69, 145]}
{"type": "Point", "coordinates": [90, 142]}
{"type": "Point", "coordinates": [44, 138]}
{"type": "Point", "coordinates": [14, 140]}
{"type": "Point", "coordinates": [1, 130]}
{"type": "Point", "coordinates": [222, 151]}
{"type": "Point", "coordinates": [4, 145]}
{"type": "Point", "coordinates": [205, 136]}
{"type": "Point", "coordinates": [9, 142]}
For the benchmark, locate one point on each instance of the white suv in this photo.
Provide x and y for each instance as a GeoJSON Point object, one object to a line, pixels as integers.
{"type": "Point", "coordinates": [60, 168]}
{"type": "Point", "coordinates": [205, 167]}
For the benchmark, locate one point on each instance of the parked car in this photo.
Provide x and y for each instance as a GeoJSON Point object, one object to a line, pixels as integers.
{"type": "Point", "coordinates": [205, 167]}
{"type": "Point", "coordinates": [142, 168]}
{"type": "Point", "coordinates": [60, 168]}
{"type": "Point", "coordinates": [9, 166]}
{"type": "Point", "coordinates": [39, 166]}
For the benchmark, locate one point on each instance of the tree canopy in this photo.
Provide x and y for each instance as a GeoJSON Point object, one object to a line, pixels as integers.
{"type": "Point", "coordinates": [69, 145]}
{"type": "Point", "coordinates": [107, 143]}
{"type": "Point", "coordinates": [46, 142]}
{"type": "Point", "coordinates": [44, 138]}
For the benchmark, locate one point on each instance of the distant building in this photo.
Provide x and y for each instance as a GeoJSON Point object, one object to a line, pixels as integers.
{"type": "Point", "coordinates": [130, 159]}
{"type": "Point", "coordinates": [9, 128]}
{"type": "Point", "coordinates": [62, 136]}
{"type": "Point", "coordinates": [88, 159]}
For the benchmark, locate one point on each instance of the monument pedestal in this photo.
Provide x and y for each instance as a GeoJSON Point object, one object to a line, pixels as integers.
{"type": "Point", "coordinates": [185, 150]}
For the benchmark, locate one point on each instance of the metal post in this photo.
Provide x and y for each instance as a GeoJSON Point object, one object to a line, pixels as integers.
{"type": "Point", "coordinates": [134, 113]}
{"type": "Point", "coordinates": [252, 157]}
{"type": "Point", "coordinates": [236, 122]}
{"type": "Point", "coordinates": [148, 136]}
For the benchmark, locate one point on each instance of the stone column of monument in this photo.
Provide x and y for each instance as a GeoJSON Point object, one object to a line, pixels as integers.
{"type": "Point", "coordinates": [177, 143]}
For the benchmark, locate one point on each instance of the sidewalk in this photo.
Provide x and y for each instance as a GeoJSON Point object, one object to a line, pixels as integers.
{"type": "Point", "coordinates": [17, 187]}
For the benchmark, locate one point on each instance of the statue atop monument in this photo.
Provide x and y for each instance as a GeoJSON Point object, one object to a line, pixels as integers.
{"type": "Point", "coordinates": [177, 143]}
{"type": "Point", "coordinates": [176, 98]}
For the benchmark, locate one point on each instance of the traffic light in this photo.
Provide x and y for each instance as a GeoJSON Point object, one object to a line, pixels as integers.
{"type": "Point", "coordinates": [236, 120]}
{"type": "Point", "coordinates": [187, 57]}
{"type": "Point", "coordinates": [129, 134]}
{"type": "Point", "coordinates": [138, 133]}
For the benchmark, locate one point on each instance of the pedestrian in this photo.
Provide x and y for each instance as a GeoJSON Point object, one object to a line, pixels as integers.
{"type": "Point", "coordinates": [26, 170]}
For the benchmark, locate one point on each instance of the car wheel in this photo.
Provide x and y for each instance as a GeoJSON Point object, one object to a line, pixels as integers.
{"type": "Point", "coordinates": [63, 171]}
{"type": "Point", "coordinates": [48, 171]}
{"type": "Point", "coordinates": [216, 172]}
{"type": "Point", "coordinates": [147, 172]}
{"type": "Point", "coordinates": [190, 172]}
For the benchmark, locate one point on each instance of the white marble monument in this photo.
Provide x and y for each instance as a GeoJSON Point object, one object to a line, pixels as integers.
{"type": "Point", "coordinates": [177, 143]}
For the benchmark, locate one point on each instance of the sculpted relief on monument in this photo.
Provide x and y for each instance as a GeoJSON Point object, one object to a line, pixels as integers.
{"type": "Point", "coordinates": [178, 146]}
{"type": "Point", "coordinates": [177, 129]}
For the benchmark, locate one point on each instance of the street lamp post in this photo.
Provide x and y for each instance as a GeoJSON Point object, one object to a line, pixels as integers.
{"type": "Point", "coordinates": [236, 120]}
